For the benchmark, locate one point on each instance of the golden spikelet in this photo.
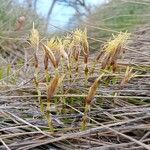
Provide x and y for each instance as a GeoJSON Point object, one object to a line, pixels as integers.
{"type": "Point", "coordinates": [80, 39]}
{"type": "Point", "coordinates": [67, 40]}
{"type": "Point", "coordinates": [34, 37]}
{"type": "Point", "coordinates": [77, 36]}
{"type": "Point", "coordinates": [61, 49]}
{"type": "Point", "coordinates": [52, 43]}
{"type": "Point", "coordinates": [112, 50]}
{"type": "Point", "coordinates": [57, 47]}
{"type": "Point", "coordinates": [85, 45]}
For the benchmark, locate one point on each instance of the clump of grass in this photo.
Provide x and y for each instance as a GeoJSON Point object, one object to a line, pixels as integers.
{"type": "Point", "coordinates": [68, 54]}
{"type": "Point", "coordinates": [112, 50]}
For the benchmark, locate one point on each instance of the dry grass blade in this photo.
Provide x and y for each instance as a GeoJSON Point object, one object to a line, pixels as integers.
{"type": "Point", "coordinates": [25, 122]}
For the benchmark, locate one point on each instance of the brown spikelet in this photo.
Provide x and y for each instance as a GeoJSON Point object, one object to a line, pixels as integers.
{"type": "Point", "coordinates": [76, 53]}
{"type": "Point", "coordinates": [51, 56]}
{"type": "Point", "coordinates": [52, 87]}
{"type": "Point", "coordinates": [54, 84]}
{"type": "Point", "coordinates": [88, 100]}
{"type": "Point", "coordinates": [81, 43]}
{"type": "Point", "coordinates": [92, 90]}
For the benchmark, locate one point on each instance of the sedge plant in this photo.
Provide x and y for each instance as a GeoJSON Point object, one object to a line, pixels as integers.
{"type": "Point", "coordinates": [53, 47]}
{"type": "Point", "coordinates": [88, 100]}
{"type": "Point", "coordinates": [51, 89]}
{"type": "Point", "coordinates": [35, 40]}
{"type": "Point", "coordinates": [80, 40]}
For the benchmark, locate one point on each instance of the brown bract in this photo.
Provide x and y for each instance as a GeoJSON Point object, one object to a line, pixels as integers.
{"type": "Point", "coordinates": [92, 90]}
{"type": "Point", "coordinates": [49, 54]}
{"type": "Point", "coordinates": [52, 87]}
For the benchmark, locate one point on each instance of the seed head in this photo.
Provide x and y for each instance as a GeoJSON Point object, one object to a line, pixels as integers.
{"type": "Point", "coordinates": [34, 37]}
{"type": "Point", "coordinates": [92, 90]}
{"type": "Point", "coordinates": [113, 49]}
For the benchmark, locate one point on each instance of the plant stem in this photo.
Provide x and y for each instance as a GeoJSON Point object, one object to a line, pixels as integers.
{"type": "Point", "coordinates": [85, 117]}
{"type": "Point", "coordinates": [49, 117]}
